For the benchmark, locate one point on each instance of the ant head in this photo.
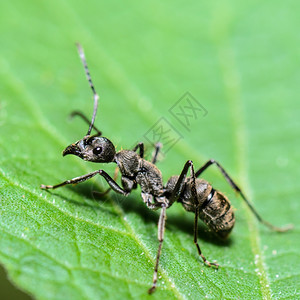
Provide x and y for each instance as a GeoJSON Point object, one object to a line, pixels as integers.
{"type": "Point", "coordinates": [94, 149]}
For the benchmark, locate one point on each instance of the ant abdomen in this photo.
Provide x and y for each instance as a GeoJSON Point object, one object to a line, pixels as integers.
{"type": "Point", "coordinates": [214, 207]}
{"type": "Point", "coordinates": [218, 214]}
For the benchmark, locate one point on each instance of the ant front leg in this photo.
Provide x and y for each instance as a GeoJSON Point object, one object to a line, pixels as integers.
{"type": "Point", "coordinates": [238, 190]}
{"type": "Point", "coordinates": [176, 193]}
{"type": "Point", "coordinates": [102, 194]}
{"type": "Point", "coordinates": [83, 178]}
{"type": "Point", "coordinates": [160, 234]}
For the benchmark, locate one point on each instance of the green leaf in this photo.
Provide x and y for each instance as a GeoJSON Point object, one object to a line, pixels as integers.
{"type": "Point", "coordinates": [239, 60]}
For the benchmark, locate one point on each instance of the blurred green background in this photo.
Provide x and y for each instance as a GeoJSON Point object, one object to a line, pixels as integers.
{"type": "Point", "coordinates": [239, 60]}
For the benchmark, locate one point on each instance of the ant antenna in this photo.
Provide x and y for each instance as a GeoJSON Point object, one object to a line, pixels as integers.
{"type": "Point", "coordinates": [88, 76]}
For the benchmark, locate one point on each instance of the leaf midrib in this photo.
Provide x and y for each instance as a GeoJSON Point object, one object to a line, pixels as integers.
{"type": "Point", "coordinates": [233, 92]}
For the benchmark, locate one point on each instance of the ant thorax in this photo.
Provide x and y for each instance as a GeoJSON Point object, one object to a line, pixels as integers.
{"type": "Point", "coordinates": [128, 162]}
{"type": "Point", "coordinates": [143, 173]}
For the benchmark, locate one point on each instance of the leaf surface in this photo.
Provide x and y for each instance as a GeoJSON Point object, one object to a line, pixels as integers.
{"type": "Point", "coordinates": [239, 60]}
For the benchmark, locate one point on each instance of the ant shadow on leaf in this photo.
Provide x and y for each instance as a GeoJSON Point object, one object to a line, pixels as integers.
{"type": "Point", "coordinates": [130, 204]}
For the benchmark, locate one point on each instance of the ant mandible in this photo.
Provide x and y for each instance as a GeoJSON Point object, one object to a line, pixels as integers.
{"type": "Point", "coordinates": [195, 194]}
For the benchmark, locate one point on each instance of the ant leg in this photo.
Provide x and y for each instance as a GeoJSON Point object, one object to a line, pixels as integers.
{"type": "Point", "coordinates": [194, 194]}
{"type": "Point", "coordinates": [79, 179]}
{"type": "Point", "coordinates": [175, 194]}
{"type": "Point", "coordinates": [161, 231]}
{"type": "Point", "coordinates": [238, 190]}
{"type": "Point", "coordinates": [180, 182]}
{"type": "Point", "coordinates": [158, 146]}
{"type": "Point", "coordinates": [80, 114]}
{"type": "Point", "coordinates": [139, 146]}
{"type": "Point", "coordinates": [102, 194]}
{"type": "Point", "coordinates": [209, 264]}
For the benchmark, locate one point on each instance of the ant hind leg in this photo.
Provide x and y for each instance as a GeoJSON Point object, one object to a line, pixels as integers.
{"type": "Point", "coordinates": [238, 190]}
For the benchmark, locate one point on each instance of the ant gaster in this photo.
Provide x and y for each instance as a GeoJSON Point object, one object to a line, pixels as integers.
{"type": "Point", "coordinates": [196, 195]}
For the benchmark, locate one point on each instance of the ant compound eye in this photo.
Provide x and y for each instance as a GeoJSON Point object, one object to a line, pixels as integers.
{"type": "Point", "coordinates": [97, 150]}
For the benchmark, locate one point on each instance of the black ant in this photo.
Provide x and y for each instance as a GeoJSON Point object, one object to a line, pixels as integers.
{"type": "Point", "coordinates": [196, 195]}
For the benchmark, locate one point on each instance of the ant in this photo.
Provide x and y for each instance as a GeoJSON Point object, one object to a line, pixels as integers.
{"type": "Point", "coordinates": [195, 194]}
